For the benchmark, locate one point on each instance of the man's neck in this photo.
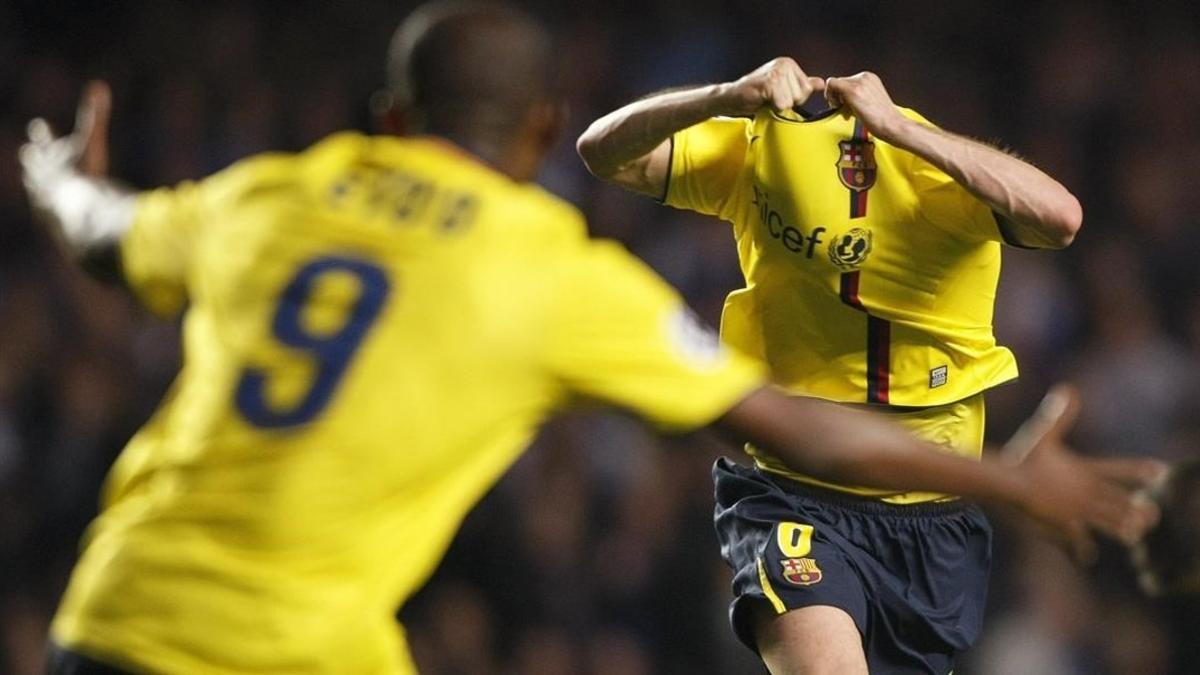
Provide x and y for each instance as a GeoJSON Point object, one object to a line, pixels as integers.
{"type": "Point", "coordinates": [509, 157]}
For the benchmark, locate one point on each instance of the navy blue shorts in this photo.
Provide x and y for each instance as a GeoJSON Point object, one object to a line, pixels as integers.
{"type": "Point", "coordinates": [913, 578]}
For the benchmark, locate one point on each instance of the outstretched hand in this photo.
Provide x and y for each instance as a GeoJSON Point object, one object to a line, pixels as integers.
{"type": "Point", "coordinates": [46, 158]}
{"type": "Point", "coordinates": [67, 181]}
{"type": "Point", "coordinates": [1072, 496]}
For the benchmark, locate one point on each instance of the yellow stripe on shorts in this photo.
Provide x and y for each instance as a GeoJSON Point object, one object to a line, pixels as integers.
{"type": "Point", "coordinates": [766, 586]}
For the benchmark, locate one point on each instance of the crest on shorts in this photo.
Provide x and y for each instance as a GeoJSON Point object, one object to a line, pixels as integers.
{"type": "Point", "coordinates": [801, 571]}
{"type": "Point", "coordinates": [856, 164]}
{"type": "Point", "coordinates": [849, 250]}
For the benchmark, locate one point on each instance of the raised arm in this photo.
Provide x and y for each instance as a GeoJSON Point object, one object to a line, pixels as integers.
{"type": "Point", "coordinates": [1067, 495]}
{"type": "Point", "coordinates": [1038, 211]}
{"type": "Point", "coordinates": [66, 179]}
{"type": "Point", "coordinates": [629, 146]}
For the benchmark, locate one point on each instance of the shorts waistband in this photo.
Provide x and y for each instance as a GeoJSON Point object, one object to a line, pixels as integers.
{"type": "Point", "coordinates": [865, 504]}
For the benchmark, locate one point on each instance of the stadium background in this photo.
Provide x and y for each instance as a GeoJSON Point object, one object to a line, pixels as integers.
{"type": "Point", "coordinates": [596, 554]}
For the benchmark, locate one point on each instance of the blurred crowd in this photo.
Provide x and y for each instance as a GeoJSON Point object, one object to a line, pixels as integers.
{"type": "Point", "coordinates": [596, 554]}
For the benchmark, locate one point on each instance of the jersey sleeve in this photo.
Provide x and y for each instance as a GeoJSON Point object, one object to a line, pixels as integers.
{"type": "Point", "coordinates": [708, 166]}
{"type": "Point", "coordinates": [624, 337]}
{"type": "Point", "coordinates": [157, 249]}
{"type": "Point", "coordinates": [946, 203]}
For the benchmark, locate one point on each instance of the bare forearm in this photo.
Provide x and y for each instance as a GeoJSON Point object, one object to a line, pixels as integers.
{"type": "Point", "coordinates": [630, 132]}
{"type": "Point", "coordinates": [628, 146]}
{"type": "Point", "coordinates": [916, 465]}
{"type": "Point", "coordinates": [843, 445]}
{"type": "Point", "coordinates": [1040, 211]}
{"type": "Point", "coordinates": [1051, 485]}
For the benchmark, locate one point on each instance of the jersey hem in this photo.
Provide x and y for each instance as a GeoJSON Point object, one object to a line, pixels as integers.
{"type": "Point", "coordinates": [768, 464]}
{"type": "Point", "coordinates": [910, 498]}
{"type": "Point", "coordinates": [670, 167]}
{"type": "Point", "coordinates": [903, 408]}
{"type": "Point", "coordinates": [1008, 236]}
{"type": "Point", "coordinates": [109, 655]}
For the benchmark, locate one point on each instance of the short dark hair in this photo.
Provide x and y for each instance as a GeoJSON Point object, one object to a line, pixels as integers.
{"type": "Point", "coordinates": [469, 66]}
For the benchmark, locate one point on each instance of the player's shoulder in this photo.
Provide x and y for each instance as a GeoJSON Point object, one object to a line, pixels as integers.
{"type": "Point", "coordinates": [543, 212]}
{"type": "Point", "coordinates": [516, 206]}
{"type": "Point", "coordinates": [722, 127]}
{"type": "Point", "coordinates": [250, 174]}
{"type": "Point", "coordinates": [524, 221]}
{"type": "Point", "coordinates": [738, 122]}
{"type": "Point", "coordinates": [340, 146]}
{"type": "Point", "coordinates": [550, 238]}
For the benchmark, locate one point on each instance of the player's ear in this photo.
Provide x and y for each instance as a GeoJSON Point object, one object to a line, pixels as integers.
{"type": "Point", "coordinates": [390, 118]}
{"type": "Point", "coordinates": [549, 124]}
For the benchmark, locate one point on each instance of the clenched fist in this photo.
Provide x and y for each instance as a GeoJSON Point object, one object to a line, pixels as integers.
{"type": "Point", "coordinates": [779, 84]}
{"type": "Point", "coordinates": [864, 97]}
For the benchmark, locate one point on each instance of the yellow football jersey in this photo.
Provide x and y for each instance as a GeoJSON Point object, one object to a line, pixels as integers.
{"type": "Point", "coordinates": [870, 274]}
{"type": "Point", "coordinates": [374, 330]}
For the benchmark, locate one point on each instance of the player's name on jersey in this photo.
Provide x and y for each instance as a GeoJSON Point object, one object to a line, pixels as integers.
{"type": "Point", "coordinates": [790, 236]}
{"type": "Point", "coordinates": [403, 198]}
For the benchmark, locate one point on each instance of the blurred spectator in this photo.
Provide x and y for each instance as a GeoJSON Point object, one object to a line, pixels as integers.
{"type": "Point", "coordinates": [1049, 631]}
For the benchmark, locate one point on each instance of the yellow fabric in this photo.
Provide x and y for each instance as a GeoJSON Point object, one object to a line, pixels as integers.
{"type": "Point", "coordinates": [928, 277]}
{"type": "Point", "coordinates": [228, 543]}
{"type": "Point", "coordinates": [931, 272]}
{"type": "Point", "coordinates": [958, 427]}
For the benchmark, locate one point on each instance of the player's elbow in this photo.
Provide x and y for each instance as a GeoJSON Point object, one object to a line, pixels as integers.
{"type": "Point", "coordinates": [1063, 223]}
{"type": "Point", "coordinates": [589, 147]}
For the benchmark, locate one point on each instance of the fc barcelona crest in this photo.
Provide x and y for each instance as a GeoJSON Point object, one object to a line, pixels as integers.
{"type": "Point", "coordinates": [856, 164]}
{"type": "Point", "coordinates": [801, 571]}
